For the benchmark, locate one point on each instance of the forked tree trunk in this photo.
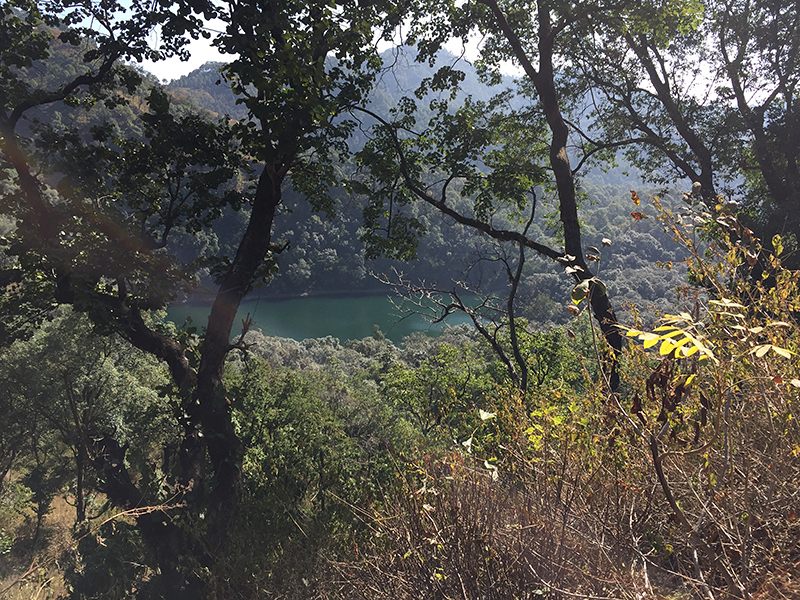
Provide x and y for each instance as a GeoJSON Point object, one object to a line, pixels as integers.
{"type": "Point", "coordinates": [209, 411]}
{"type": "Point", "coordinates": [544, 82]}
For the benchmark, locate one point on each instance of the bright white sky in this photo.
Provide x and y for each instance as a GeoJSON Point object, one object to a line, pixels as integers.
{"type": "Point", "coordinates": [202, 52]}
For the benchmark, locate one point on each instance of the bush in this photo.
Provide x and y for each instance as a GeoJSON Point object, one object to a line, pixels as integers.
{"type": "Point", "coordinates": [713, 407]}
{"type": "Point", "coordinates": [684, 484]}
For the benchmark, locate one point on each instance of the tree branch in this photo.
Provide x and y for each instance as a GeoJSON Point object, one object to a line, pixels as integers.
{"type": "Point", "coordinates": [503, 235]}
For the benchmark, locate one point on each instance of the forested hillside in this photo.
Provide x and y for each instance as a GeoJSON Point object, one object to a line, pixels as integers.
{"type": "Point", "coordinates": [618, 225]}
{"type": "Point", "coordinates": [325, 254]}
{"type": "Point", "coordinates": [324, 251]}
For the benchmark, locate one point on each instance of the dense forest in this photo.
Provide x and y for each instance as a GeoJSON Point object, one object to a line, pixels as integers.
{"type": "Point", "coordinates": [617, 219]}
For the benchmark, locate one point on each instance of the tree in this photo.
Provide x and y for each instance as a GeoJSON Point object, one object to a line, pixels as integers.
{"type": "Point", "coordinates": [96, 241]}
{"type": "Point", "coordinates": [67, 385]}
{"type": "Point", "coordinates": [502, 157]}
{"type": "Point", "coordinates": [710, 97]}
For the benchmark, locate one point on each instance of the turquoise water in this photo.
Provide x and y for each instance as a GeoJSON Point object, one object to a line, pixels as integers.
{"type": "Point", "coordinates": [313, 317]}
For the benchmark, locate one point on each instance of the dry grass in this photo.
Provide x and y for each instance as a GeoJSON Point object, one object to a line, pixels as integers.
{"type": "Point", "coordinates": [28, 573]}
{"type": "Point", "coordinates": [464, 534]}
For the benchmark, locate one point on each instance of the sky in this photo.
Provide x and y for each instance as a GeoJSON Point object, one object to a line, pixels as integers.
{"type": "Point", "coordinates": [202, 51]}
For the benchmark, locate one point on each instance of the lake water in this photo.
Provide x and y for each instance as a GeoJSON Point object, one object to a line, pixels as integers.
{"type": "Point", "coordinates": [345, 318]}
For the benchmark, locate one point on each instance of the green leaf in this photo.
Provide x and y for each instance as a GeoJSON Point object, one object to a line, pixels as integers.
{"type": "Point", "coordinates": [580, 291]}
{"type": "Point", "coordinates": [600, 285]}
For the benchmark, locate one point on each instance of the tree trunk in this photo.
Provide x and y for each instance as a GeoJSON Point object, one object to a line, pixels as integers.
{"type": "Point", "coordinates": [544, 82]}
{"type": "Point", "coordinates": [703, 154]}
{"type": "Point", "coordinates": [80, 500]}
{"type": "Point", "coordinates": [210, 414]}
{"type": "Point", "coordinates": [160, 531]}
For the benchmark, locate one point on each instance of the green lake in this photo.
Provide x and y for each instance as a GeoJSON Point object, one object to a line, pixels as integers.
{"type": "Point", "coordinates": [345, 318]}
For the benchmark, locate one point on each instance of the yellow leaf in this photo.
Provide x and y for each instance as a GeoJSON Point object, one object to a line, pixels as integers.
{"type": "Point", "coordinates": [665, 328]}
{"type": "Point", "coordinates": [675, 333]}
{"type": "Point", "coordinates": [484, 415]}
{"type": "Point", "coordinates": [683, 342]}
{"type": "Point", "coordinates": [687, 352]}
{"type": "Point", "coordinates": [646, 335]}
{"type": "Point", "coordinates": [666, 348]}
{"type": "Point", "coordinates": [727, 303]}
{"type": "Point", "coordinates": [633, 333]}
{"type": "Point", "coordinates": [760, 351]}
{"type": "Point", "coordinates": [651, 342]}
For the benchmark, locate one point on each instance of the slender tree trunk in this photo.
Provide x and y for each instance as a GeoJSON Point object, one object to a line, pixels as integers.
{"type": "Point", "coordinates": [544, 82]}
{"type": "Point", "coordinates": [80, 468]}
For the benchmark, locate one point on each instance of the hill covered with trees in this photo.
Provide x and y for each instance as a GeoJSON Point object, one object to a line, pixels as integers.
{"type": "Point", "coordinates": [326, 254]}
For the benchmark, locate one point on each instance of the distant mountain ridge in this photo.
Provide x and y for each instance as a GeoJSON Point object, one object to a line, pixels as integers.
{"type": "Point", "coordinates": [327, 255]}
{"type": "Point", "coordinates": [207, 88]}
